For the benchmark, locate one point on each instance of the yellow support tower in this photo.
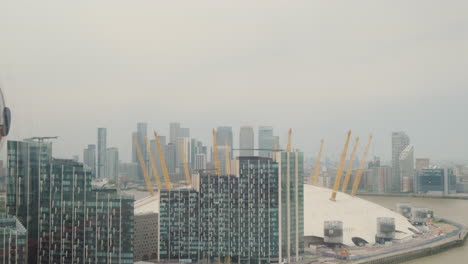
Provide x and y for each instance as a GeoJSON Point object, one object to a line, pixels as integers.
{"type": "Point", "coordinates": [339, 171]}
{"type": "Point", "coordinates": [184, 160]}
{"type": "Point", "coordinates": [228, 159]}
{"type": "Point", "coordinates": [361, 167]}
{"type": "Point", "coordinates": [288, 147]}
{"type": "Point", "coordinates": [317, 165]}
{"type": "Point", "coordinates": [216, 155]}
{"type": "Point", "coordinates": [153, 164]}
{"type": "Point", "coordinates": [162, 159]}
{"type": "Point", "coordinates": [149, 186]}
{"type": "Point", "coordinates": [350, 167]}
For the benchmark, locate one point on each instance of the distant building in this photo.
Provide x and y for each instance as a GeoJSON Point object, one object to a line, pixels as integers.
{"type": "Point", "coordinates": [113, 164]}
{"type": "Point", "coordinates": [171, 157]}
{"type": "Point", "coordinates": [55, 202]}
{"type": "Point", "coordinates": [173, 132]}
{"type": "Point", "coordinates": [265, 140]}
{"type": "Point", "coordinates": [200, 162]}
{"type": "Point", "coordinates": [246, 141]}
{"type": "Point", "coordinates": [422, 163]}
{"type": "Point", "coordinates": [383, 176]}
{"type": "Point", "coordinates": [13, 247]}
{"type": "Point", "coordinates": [142, 130]}
{"type": "Point", "coordinates": [89, 158]}
{"type": "Point", "coordinates": [102, 151]}
{"type": "Point", "coordinates": [224, 136]}
{"type": "Point", "coordinates": [436, 181]}
{"type": "Point", "coordinates": [399, 142]}
{"type": "Point", "coordinates": [146, 242]}
{"type": "Point", "coordinates": [406, 167]}
{"type": "Point", "coordinates": [128, 170]}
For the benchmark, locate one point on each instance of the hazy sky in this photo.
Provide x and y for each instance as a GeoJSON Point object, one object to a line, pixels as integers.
{"type": "Point", "coordinates": [320, 67]}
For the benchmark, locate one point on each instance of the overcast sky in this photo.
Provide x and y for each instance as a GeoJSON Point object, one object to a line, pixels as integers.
{"type": "Point", "coordinates": [320, 67]}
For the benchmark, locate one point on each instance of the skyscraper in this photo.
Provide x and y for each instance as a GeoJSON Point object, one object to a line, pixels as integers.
{"type": "Point", "coordinates": [399, 142]}
{"type": "Point", "coordinates": [113, 164]}
{"type": "Point", "coordinates": [407, 169]}
{"type": "Point", "coordinates": [173, 132]}
{"type": "Point", "coordinates": [246, 141]}
{"type": "Point", "coordinates": [265, 140]}
{"type": "Point", "coordinates": [89, 158]}
{"type": "Point", "coordinates": [224, 135]}
{"type": "Point", "coordinates": [102, 150]}
{"type": "Point", "coordinates": [67, 221]}
{"type": "Point", "coordinates": [142, 130]}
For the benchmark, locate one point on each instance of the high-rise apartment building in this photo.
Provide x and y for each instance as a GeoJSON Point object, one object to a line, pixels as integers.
{"type": "Point", "coordinates": [102, 151]}
{"type": "Point", "coordinates": [113, 164]}
{"type": "Point", "coordinates": [253, 216]}
{"type": "Point", "coordinates": [265, 140]}
{"type": "Point", "coordinates": [89, 158]}
{"type": "Point", "coordinates": [246, 141]}
{"type": "Point", "coordinates": [406, 166]}
{"type": "Point", "coordinates": [13, 245]}
{"type": "Point", "coordinates": [67, 221]}
{"type": "Point", "coordinates": [399, 142]}
{"type": "Point", "coordinates": [291, 197]}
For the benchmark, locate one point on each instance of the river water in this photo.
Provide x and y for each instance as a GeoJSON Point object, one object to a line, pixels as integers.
{"type": "Point", "coordinates": [456, 210]}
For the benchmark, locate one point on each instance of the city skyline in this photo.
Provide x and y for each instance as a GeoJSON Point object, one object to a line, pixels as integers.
{"type": "Point", "coordinates": [399, 71]}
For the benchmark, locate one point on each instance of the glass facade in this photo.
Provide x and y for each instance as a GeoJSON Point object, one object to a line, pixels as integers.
{"type": "Point", "coordinates": [233, 218]}
{"type": "Point", "coordinates": [12, 240]}
{"type": "Point", "coordinates": [291, 173]}
{"type": "Point", "coordinates": [442, 181]}
{"type": "Point", "coordinates": [67, 221]}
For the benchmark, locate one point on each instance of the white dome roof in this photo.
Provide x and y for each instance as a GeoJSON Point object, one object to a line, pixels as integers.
{"type": "Point", "coordinates": [359, 216]}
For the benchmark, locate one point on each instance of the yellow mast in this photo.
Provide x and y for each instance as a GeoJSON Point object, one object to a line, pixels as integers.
{"type": "Point", "coordinates": [184, 160]}
{"type": "Point", "coordinates": [216, 155]}
{"type": "Point", "coordinates": [339, 171]}
{"type": "Point", "coordinates": [153, 165]}
{"type": "Point", "coordinates": [317, 165]}
{"type": "Point", "coordinates": [149, 186]}
{"type": "Point", "coordinates": [361, 167]}
{"type": "Point", "coordinates": [162, 160]}
{"type": "Point", "coordinates": [350, 166]}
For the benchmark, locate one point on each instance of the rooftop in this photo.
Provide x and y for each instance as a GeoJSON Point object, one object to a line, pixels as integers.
{"type": "Point", "coordinates": [147, 205]}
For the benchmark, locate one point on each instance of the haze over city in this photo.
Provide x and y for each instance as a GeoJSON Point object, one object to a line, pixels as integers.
{"type": "Point", "coordinates": [320, 68]}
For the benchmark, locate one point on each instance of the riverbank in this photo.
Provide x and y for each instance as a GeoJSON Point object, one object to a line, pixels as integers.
{"type": "Point", "coordinates": [414, 195]}
{"type": "Point", "coordinates": [427, 248]}
{"type": "Point", "coordinates": [439, 236]}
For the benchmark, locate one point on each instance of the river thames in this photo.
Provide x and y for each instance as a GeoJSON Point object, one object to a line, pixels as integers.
{"type": "Point", "coordinates": [456, 210]}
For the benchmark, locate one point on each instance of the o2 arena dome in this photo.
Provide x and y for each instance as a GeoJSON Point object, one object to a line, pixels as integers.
{"type": "Point", "coordinates": [356, 218]}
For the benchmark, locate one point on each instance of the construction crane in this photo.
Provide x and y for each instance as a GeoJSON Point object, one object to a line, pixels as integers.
{"type": "Point", "coordinates": [153, 164]}
{"type": "Point", "coordinates": [339, 171]}
{"type": "Point", "coordinates": [350, 166]}
{"type": "Point", "coordinates": [228, 159]}
{"type": "Point", "coordinates": [162, 160]}
{"type": "Point", "coordinates": [42, 139]}
{"type": "Point", "coordinates": [317, 164]}
{"type": "Point", "coordinates": [184, 161]}
{"type": "Point", "coordinates": [357, 180]}
{"type": "Point", "coordinates": [149, 186]}
{"type": "Point", "coordinates": [288, 147]}
{"type": "Point", "coordinates": [215, 154]}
